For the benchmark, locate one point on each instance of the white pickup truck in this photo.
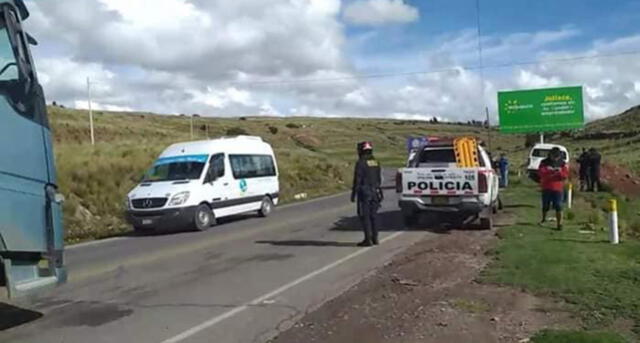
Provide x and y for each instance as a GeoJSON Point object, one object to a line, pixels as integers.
{"type": "Point", "coordinates": [433, 182]}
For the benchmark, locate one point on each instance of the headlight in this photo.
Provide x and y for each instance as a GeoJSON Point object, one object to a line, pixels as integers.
{"type": "Point", "coordinates": [179, 199]}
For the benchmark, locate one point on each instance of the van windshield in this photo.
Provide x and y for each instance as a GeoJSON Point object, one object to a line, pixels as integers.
{"type": "Point", "coordinates": [545, 153]}
{"type": "Point", "coordinates": [176, 168]}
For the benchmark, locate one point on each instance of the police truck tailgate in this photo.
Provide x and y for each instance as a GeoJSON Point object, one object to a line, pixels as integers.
{"type": "Point", "coordinates": [439, 181]}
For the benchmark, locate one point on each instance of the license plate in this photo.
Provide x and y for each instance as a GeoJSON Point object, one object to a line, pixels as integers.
{"type": "Point", "coordinates": [440, 201]}
{"type": "Point", "coordinates": [147, 221]}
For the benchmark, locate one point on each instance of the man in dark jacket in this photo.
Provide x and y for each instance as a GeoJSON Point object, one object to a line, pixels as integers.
{"type": "Point", "coordinates": [366, 188]}
{"type": "Point", "coordinates": [583, 162]}
{"type": "Point", "coordinates": [553, 173]}
{"type": "Point", "coordinates": [594, 161]}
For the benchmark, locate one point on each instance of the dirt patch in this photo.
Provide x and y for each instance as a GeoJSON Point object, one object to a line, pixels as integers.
{"type": "Point", "coordinates": [429, 294]}
{"type": "Point", "coordinates": [307, 140]}
{"type": "Point", "coordinates": [621, 179]}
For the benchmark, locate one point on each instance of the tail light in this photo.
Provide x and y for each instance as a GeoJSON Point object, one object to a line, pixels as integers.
{"type": "Point", "coordinates": [398, 182]}
{"type": "Point", "coordinates": [483, 184]}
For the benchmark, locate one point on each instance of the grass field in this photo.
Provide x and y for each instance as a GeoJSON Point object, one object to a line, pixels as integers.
{"type": "Point", "coordinates": [598, 280]}
{"type": "Point", "coordinates": [315, 155]}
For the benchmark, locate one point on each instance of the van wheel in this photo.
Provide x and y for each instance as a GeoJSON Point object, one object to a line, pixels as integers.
{"type": "Point", "coordinates": [204, 218]}
{"type": "Point", "coordinates": [266, 207]}
{"type": "Point", "coordinates": [486, 223]}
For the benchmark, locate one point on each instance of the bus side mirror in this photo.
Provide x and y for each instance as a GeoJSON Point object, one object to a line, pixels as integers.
{"type": "Point", "coordinates": [31, 40]}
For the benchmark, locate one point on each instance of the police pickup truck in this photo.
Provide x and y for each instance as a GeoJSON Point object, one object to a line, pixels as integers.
{"type": "Point", "coordinates": [452, 176]}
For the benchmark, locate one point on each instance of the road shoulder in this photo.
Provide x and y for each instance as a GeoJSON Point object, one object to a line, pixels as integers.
{"type": "Point", "coordinates": [429, 293]}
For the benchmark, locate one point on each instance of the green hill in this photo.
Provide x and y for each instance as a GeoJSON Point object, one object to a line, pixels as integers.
{"type": "Point", "coordinates": [315, 155]}
{"type": "Point", "coordinates": [616, 137]}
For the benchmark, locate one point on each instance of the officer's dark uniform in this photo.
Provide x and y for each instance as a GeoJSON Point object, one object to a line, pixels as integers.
{"type": "Point", "coordinates": [366, 187]}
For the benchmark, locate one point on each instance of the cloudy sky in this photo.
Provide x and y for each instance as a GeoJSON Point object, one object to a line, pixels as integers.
{"type": "Point", "coordinates": [370, 58]}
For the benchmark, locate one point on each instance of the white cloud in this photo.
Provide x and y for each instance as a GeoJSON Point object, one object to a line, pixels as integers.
{"type": "Point", "coordinates": [380, 12]}
{"type": "Point", "coordinates": [527, 79]}
{"type": "Point", "coordinates": [230, 58]}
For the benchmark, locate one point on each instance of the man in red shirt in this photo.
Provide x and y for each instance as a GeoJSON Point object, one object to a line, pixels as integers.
{"type": "Point", "coordinates": [553, 172]}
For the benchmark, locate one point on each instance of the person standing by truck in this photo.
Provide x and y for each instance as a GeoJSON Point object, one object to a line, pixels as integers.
{"type": "Point", "coordinates": [583, 162]}
{"type": "Point", "coordinates": [503, 165]}
{"type": "Point", "coordinates": [594, 159]}
{"type": "Point", "coordinates": [366, 189]}
{"type": "Point", "coordinates": [553, 172]}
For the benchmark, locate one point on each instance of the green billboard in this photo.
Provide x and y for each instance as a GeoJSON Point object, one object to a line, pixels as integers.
{"type": "Point", "coordinates": [540, 110]}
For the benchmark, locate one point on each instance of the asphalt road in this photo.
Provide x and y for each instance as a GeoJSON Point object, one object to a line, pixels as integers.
{"type": "Point", "coordinates": [241, 281]}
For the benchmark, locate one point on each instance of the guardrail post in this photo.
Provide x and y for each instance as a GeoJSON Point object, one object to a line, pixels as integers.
{"type": "Point", "coordinates": [614, 237]}
{"type": "Point", "coordinates": [570, 196]}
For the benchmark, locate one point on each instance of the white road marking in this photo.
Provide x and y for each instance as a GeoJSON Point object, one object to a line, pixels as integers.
{"type": "Point", "coordinates": [96, 242]}
{"type": "Point", "coordinates": [215, 320]}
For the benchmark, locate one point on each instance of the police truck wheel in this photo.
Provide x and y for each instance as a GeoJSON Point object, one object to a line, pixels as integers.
{"type": "Point", "coordinates": [203, 218]}
{"type": "Point", "coordinates": [409, 218]}
{"type": "Point", "coordinates": [486, 223]}
{"type": "Point", "coordinates": [266, 207]}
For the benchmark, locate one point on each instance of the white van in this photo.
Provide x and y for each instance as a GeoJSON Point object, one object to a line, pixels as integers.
{"type": "Point", "coordinates": [538, 153]}
{"type": "Point", "coordinates": [192, 184]}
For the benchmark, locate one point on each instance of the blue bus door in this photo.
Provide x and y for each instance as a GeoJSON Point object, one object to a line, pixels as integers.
{"type": "Point", "coordinates": [30, 220]}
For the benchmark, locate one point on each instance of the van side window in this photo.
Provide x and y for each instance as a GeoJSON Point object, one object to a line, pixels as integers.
{"type": "Point", "coordinates": [216, 165]}
{"type": "Point", "coordinates": [248, 166]}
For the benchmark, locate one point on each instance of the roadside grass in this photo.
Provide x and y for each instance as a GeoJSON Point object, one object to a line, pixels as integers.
{"type": "Point", "coordinates": [315, 155]}
{"type": "Point", "coordinates": [554, 336]}
{"type": "Point", "coordinates": [598, 280]}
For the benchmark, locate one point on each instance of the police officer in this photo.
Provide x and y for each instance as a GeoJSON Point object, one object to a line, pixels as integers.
{"type": "Point", "coordinates": [366, 188]}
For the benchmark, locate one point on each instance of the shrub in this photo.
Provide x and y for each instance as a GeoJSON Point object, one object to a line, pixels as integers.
{"type": "Point", "coordinates": [273, 130]}
{"type": "Point", "coordinates": [595, 218]}
{"type": "Point", "coordinates": [605, 187]}
{"type": "Point", "coordinates": [292, 126]}
{"type": "Point", "coordinates": [236, 131]}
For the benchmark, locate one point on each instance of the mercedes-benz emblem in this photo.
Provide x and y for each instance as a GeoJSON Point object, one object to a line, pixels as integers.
{"type": "Point", "coordinates": [147, 203]}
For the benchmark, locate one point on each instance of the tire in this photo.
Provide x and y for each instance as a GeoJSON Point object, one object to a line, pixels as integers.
{"type": "Point", "coordinates": [486, 223]}
{"type": "Point", "coordinates": [409, 218]}
{"type": "Point", "coordinates": [203, 218]}
{"type": "Point", "coordinates": [266, 207]}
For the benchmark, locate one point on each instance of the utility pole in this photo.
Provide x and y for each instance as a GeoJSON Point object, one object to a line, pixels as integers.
{"type": "Point", "coordinates": [488, 128]}
{"type": "Point", "coordinates": [93, 140]}
{"type": "Point", "coordinates": [191, 125]}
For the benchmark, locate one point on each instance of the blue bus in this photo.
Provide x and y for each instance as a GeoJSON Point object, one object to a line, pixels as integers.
{"type": "Point", "coordinates": [31, 232]}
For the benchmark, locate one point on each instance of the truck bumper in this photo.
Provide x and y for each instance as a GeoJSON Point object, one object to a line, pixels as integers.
{"type": "Point", "coordinates": [465, 208]}
{"type": "Point", "coordinates": [167, 219]}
